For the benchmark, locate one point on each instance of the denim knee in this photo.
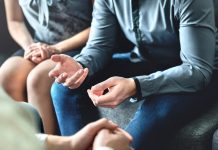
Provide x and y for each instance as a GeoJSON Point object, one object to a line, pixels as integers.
{"type": "Point", "coordinates": [73, 108]}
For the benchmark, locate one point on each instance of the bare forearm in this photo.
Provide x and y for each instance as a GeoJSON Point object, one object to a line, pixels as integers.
{"type": "Point", "coordinates": [20, 33]}
{"type": "Point", "coordinates": [74, 42]}
{"type": "Point", "coordinates": [58, 143]}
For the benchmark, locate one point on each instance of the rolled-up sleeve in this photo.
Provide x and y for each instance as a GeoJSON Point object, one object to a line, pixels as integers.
{"type": "Point", "coordinates": [100, 45]}
{"type": "Point", "coordinates": [197, 42]}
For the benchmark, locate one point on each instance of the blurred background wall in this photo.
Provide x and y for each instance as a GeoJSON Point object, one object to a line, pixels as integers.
{"type": "Point", "coordinates": [7, 45]}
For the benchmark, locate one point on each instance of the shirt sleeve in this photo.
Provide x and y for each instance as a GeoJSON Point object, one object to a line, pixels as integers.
{"type": "Point", "coordinates": [197, 42]}
{"type": "Point", "coordinates": [100, 45]}
{"type": "Point", "coordinates": [42, 138]}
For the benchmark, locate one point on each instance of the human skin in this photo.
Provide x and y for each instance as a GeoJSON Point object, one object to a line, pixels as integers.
{"type": "Point", "coordinates": [92, 136]}
{"type": "Point", "coordinates": [71, 74]}
{"type": "Point", "coordinates": [26, 78]}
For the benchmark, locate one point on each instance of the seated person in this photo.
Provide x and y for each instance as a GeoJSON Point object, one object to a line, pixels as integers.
{"type": "Point", "coordinates": [59, 27]}
{"type": "Point", "coordinates": [172, 68]}
{"type": "Point", "coordinates": [17, 131]}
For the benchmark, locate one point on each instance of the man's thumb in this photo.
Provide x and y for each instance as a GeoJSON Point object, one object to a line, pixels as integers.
{"type": "Point", "coordinates": [59, 58]}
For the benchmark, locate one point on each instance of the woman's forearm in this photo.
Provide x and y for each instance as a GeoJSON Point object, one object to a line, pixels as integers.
{"type": "Point", "coordinates": [56, 143]}
{"type": "Point", "coordinates": [74, 42]}
{"type": "Point", "coordinates": [20, 33]}
{"type": "Point", "coordinates": [16, 23]}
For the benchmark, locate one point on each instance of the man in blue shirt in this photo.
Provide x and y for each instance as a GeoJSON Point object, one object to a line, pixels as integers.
{"type": "Point", "coordinates": [172, 61]}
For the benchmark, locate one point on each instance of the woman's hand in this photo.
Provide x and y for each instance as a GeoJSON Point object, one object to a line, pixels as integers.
{"type": "Point", "coordinates": [117, 139]}
{"type": "Point", "coordinates": [38, 52]}
{"type": "Point", "coordinates": [112, 92]}
{"type": "Point", "coordinates": [83, 140]}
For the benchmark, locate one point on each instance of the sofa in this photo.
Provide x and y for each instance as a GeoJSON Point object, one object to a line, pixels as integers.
{"type": "Point", "coordinates": [195, 135]}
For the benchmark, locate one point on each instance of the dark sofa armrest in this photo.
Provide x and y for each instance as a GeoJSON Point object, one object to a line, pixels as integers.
{"type": "Point", "coordinates": [198, 134]}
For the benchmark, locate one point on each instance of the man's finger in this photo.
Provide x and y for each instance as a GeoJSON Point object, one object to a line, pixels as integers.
{"type": "Point", "coordinates": [106, 99]}
{"type": "Point", "coordinates": [54, 73]}
{"type": "Point", "coordinates": [102, 123]}
{"type": "Point", "coordinates": [93, 97]}
{"type": "Point", "coordinates": [83, 77]}
{"type": "Point", "coordinates": [59, 58]}
{"type": "Point", "coordinates": [103, 85]}
{"type": "Point", "coordinates": [71, 80]}
{"type": "Point", "coordinates": [61, 78]}
{"type": "Point", "coordinates": [127, 135]}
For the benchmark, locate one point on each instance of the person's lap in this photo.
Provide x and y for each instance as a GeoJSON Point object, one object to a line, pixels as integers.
{"type": "Point", "coordinates": [159, 115]}
{"type": "Point", "coordinates": [77, 102]}
{"type": "Point", "coordinates": [45, 66]}
{"type": "Point", "coordinates": [14, 72]}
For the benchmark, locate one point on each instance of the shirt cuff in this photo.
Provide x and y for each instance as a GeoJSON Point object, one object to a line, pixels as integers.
{"type": "Point", "coordinates": [82, 64]}
{"type": "Point", "coordinates": [138, 94]}
{"type": "Point", "coordinates": [104, 148]}
{"type": "Point", "coordinates": [42, 138]}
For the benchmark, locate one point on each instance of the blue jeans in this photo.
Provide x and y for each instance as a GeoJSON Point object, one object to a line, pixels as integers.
{"type": "Point", "coordinates": [158, 118]}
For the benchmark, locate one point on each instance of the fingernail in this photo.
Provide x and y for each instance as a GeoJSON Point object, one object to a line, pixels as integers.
{"type": "Point", "coordinates": [112, 123]}
{"type": "Point", "coordinates": [80, 71]}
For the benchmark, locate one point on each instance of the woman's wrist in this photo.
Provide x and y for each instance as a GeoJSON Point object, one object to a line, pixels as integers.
{"type": "Point", "coordinates": [56, 49]}
{"type": "Point", "coordinates": [27, 45]}
{"type": "Point", "coordinates": [57, 142]}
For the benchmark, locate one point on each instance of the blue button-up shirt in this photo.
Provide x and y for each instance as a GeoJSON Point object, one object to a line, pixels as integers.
{"type": "Point", "coordinates": [170, 30]}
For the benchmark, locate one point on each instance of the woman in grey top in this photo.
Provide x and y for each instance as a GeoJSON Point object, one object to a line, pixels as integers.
{"type": "Point", "coordinates": [172, 67]}
{"type": "Point", "coordinates": [59, 26]}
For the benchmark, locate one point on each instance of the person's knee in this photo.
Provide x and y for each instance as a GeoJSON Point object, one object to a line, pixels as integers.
{"type": "Point", "coordinates": [9, 68]}
{"type": "Point", "coordinates": [33, 79]}
{"type": "Point", "coordinates": [61, 94]}
{"type": "Point", "coordinates": [13, 73]}
{"type": "Point", "coordinates": [57, 90]}
{"type": "Point", "coordinates": [38, 79]}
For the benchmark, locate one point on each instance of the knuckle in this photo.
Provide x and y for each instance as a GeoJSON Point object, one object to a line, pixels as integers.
{"type": "Point", "coordinates": [113, 97]}
{"type": "Point", "coordinates": [112, 106]}
{"type": "Point", "coordinates": [114, 103]}
{"type": "Point", "coordinates": [90, 126]}
{"type": "Point", "coordinates": [111, 79]}
{"type": "Point", "coordinates": [104, 120]}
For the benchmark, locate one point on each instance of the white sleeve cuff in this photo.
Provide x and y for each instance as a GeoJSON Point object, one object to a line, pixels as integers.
{"type": "Point", "coordinates": [104, 148]}
{"type": "Point", "coordinates": [42, 138]}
